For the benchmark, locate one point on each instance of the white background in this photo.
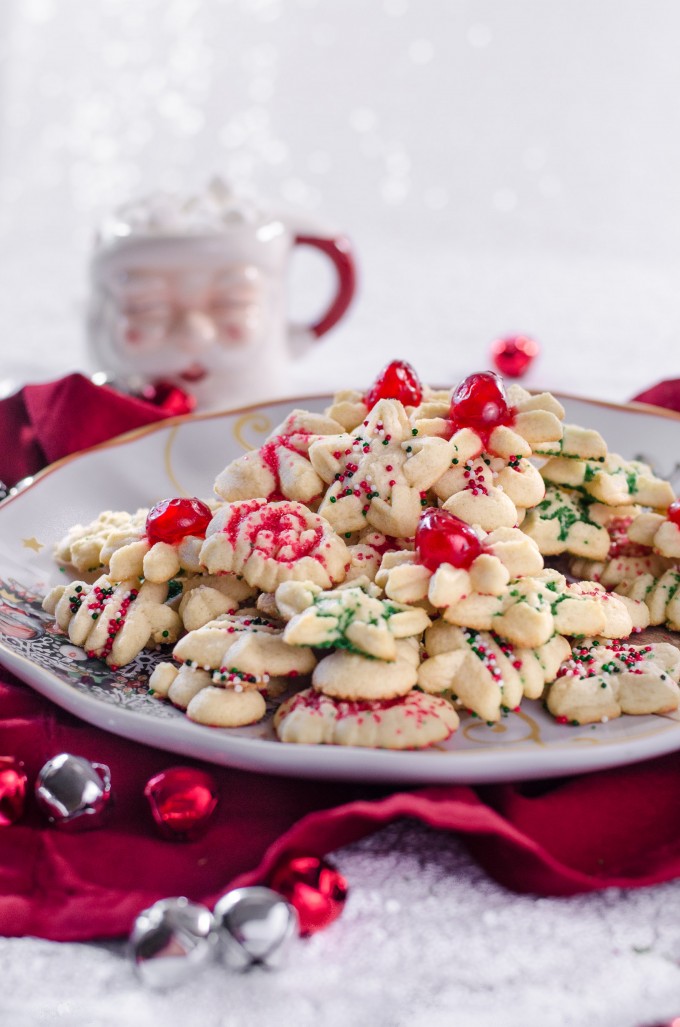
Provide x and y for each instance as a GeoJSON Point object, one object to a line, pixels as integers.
{"type": "Point", "coordinates": [500, 167]}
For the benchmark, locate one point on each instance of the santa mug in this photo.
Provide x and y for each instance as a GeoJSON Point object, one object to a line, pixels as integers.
{"type": "Point", "coordinates": [193, 293]}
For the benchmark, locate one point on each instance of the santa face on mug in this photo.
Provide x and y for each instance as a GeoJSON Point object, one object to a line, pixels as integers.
{"type": "Point", "coordinates": [177, 310]}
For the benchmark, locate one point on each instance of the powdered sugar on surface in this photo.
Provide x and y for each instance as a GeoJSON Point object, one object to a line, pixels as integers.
{"type": "Point", "coordinates": [426, 939]}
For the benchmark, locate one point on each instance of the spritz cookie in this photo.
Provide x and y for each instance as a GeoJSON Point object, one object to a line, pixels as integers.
{"type": "Point", "coordinates": [661, 532]}
{"type": "Point", "coordinates": [601, 681]}
{"type": "Point", "coordinates": [398, 380]}
{"type": "Point", "coordinates": [612, 481]}
{"type": "Point", "coordinates": [484, 673]}
{"type": "Point", "coordinates": [349, 675]}
{"type": "Point", "coordinates": [660, 595]}
{"type": "Point", "coordinates": [415, 721]}
{"type": "Point", "coordinates": [346, 618]}
{"type": "Point", "coordinates": [81, 548]}
{"type": "Point", "coordinates": [562, 523]}
{"type": "Point", "coordinates": [452, 558]}
{"type": "Point", "coordinates": [207, 596]}
{"type": "Point", "coordinates": [378, 475]}
{"type": "Point", "coordinates": [113, 620]}
{"type": "Point", "coordinates": [174, 531]}
{"type": "Point", "coordinates": [268, 543]}
{"type": "Point", "coordinates": [280, 468]}
{"type": "Point", "coordinates": [243, 649]}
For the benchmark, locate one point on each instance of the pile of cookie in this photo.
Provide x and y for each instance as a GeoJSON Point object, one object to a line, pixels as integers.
{"type": "Point", "coordinates": [380, 569]}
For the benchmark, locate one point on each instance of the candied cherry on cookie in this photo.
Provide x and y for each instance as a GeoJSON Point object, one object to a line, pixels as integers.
{"type": "Point", "coordinates": [443, 538]}
{"type": "Point", "coordinates": [396, 381]}
{"type": "Point", "coordinates": [673, 513]}
{"type": "Point", "coordinates": [480, 402]}
{"type": "Point", "coordinates": [172, 520]}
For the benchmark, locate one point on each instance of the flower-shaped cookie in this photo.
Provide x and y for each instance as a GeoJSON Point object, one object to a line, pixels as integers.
{"type": "Point", "coordinates": [243, 650]}
{"type": "Point", "coordinates": [661, 595]}
{"type": "Point", "coordinates": [169, 543]}
{"type": "Point", "coordinates": [563, 523]}
{"type": "Point", "coordinates": [280, 468]}
{"type": "Point", "coordinates": [460, 559]}
{"type": "Point", "coordinates": [349, 675]}
{"type": "Point", "coordinates": [207, 596]}
{"type": "Point", "coordinates": [205, 703]}
{"type": "Point", "coordinates": [225, 665]}
{"type": "Point", "coordinates": [612, 481]}
{"type": "Point", "coordinates": [628, 557]}
{"type": "Point", "coordinates": [346, 618]}
{"type": "Point", "coordinates": [505, 424]}
{"type": "Point", "coordinates": [658, 531]}
{"type": "Point", "coordinates": [82, 546]}
{"type": "Point", "coordinates": [485, 673]}
{"type": "Point", "coordinates": [601, 681]}
{"type": "Point", "coordinates": [490, 480]}
{"type": "Point", "coordinates": [398, 380]}
{"type": "Point", "coordinates": [267, 543]}
{"type": "Point", "coordinates": [528, 611]}
{"type": "Point", "coordinates": [379, 473]}
{"type": "Point", "coordinates": [114, 620]}
{"type": "Point", "coordinates": [414, 721]}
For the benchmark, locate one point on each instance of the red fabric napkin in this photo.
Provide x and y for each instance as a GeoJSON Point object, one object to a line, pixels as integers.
{"type": "Point", "coordinates": [51, 420]}
{"type": "Point", "coordinates": [617, 827]}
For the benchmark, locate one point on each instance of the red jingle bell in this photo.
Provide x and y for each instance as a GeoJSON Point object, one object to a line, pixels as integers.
{"type": "Point", "coordinates": [314, 888]}
{"type": "Point", "coordinates": [182, 800]}
{"type": "Point", "coordinates": [515, 355]}
{"type": "Point", "coordinates": [12, 790]}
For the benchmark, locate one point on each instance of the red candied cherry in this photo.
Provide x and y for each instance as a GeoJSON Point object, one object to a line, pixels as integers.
{"type": "Point", "coordinates": [673, 514]}
{"type": "Point", "coordinates": [480, 402]}
{"type": "Point", "coordinates": [171, 520]}
{"type": "Point", "coordinates": [443, 538]}
{"type": "Point", "coordinates": [396, 381]}
{"type": "Point", "coordinates": [514, 355]}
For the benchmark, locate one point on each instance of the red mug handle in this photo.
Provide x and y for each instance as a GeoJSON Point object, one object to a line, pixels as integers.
{"type": "Point", "coordinates": [339, 250]}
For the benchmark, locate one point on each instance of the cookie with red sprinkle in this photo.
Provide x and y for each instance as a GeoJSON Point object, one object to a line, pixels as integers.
{"type": "Point", "coordinates": [267, 543]}
{"type": "Point", "coordinates": [601, 681]}
{"type": "Point", "coordinates": [280, 468]}
{"type": "Point", "coordinates": [414, 721]}
{"type": "Point", "coordinates": [484, 673]}
{"type": "Point", "coordinates": [114, 620]}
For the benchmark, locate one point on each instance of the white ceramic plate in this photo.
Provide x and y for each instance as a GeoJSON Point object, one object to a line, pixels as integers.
{"type": "Point", "coordinates": [182, 457]}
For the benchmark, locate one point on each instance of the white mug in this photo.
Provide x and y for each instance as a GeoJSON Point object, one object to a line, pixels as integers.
{"type": "Point", "coordinates": [197, 297]}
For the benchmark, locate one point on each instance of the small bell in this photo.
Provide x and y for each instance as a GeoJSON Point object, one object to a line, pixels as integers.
{"type": "Point", "coordinates": [171, 941]}
{"type": "Point", "coordinates": [182, 801]}
{"type": "Point", "coordinates": [74, 793]}
{"type": "Point", "coordinates": [12, 790]}
{"type": "Point", "coordinates": [256, 927]}
{"type": "Point", "coordinates": [315, 889]}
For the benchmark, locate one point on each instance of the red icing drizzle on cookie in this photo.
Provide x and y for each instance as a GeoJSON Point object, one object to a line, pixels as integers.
{"type": "Point", "coordinates": [275, 526]}
{"type": "Point", "coordinates": [271, 456]}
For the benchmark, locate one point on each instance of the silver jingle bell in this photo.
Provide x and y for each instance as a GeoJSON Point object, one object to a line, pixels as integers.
{"type": "Point", "coordinates": [256, 927]}
{"type": "Point", "coordinates": [74, 793]}
{"type": "Point", "coordinates": [171, 941]}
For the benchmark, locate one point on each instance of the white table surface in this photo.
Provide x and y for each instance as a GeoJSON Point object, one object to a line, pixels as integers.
{"type": "Point", "coordinates": [501, 167]}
